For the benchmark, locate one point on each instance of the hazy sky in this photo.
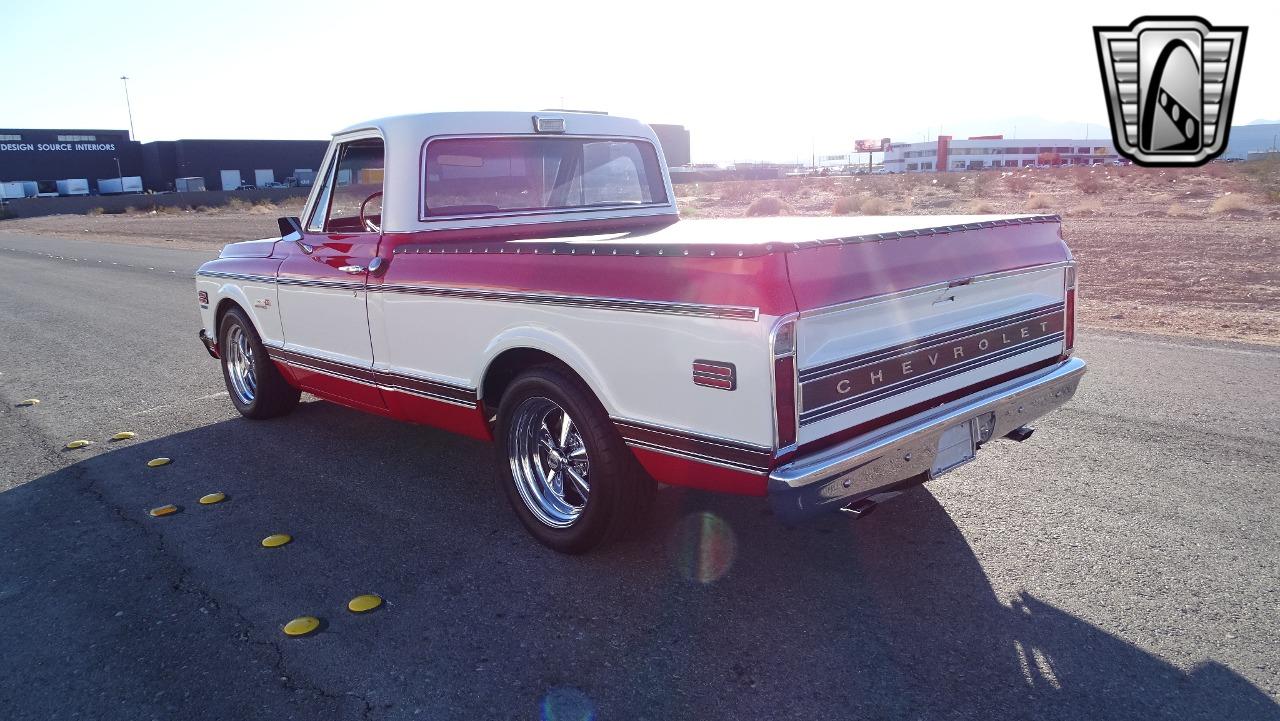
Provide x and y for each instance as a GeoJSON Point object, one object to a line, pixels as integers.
{"type": "Point", "coordinates": [750, 80]}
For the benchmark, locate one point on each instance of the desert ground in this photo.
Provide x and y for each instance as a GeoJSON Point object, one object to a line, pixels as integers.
{"type": "Point", "coordinates": [1185, 252]}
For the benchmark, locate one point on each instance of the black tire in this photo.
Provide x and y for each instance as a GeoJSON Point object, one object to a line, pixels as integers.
{"type": "Point", "coordinates": [620, 490]}
{"type": "Point", "coordinates": [273, 396]}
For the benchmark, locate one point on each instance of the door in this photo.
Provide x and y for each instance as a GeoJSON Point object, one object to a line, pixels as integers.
{"type": "Point", "coordinates": [322, 285]}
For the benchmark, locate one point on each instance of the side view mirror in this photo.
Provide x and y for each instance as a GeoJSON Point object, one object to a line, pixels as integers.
{"type": "Point", "coordinates": [291, 229]}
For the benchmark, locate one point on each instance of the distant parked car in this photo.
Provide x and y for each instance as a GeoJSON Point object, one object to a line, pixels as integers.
{"type": "Point", "coordinates": [247, 186]}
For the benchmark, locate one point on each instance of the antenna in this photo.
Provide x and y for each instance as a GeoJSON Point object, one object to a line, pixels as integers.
{"type": "Point", "coordinates": [125, 79]}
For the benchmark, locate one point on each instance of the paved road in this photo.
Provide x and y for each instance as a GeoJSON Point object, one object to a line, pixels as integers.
{"type": "Point", "coordinates": [1122, 564]}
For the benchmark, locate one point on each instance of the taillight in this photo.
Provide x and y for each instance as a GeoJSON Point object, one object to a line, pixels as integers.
{"type": "Point", "coordinates": [783, 344]}
{"type": "Point", "coordinates": [1069, 324]}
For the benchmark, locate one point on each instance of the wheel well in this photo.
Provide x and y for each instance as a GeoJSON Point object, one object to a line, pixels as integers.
{"type": "Point", "coordinates": [510, 363]}
{"type": "Point", "coordinates": [224, 305]}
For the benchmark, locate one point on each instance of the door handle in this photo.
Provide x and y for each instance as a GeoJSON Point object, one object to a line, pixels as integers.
{"type": "Point", "coordinates": [353, 269]}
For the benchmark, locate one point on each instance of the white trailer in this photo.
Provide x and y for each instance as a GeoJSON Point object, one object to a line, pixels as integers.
{"type": "Point", "coordinates": [12, 190]}
{"type": "Point", "coordinates": [119, 186]}
{"type": "Point", "coordinates": [73, 186]}
{"type": "Point", "coordinates": [189, 185]}
{"type": "Point", "coordinates": [230, 179]}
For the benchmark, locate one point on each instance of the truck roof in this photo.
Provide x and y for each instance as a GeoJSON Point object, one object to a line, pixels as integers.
{"type": "Point", "coordinates": [418, 126]}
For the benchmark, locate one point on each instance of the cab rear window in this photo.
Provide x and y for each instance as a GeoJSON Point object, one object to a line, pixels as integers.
{"type": "Point", "coordinates": [486, 176]}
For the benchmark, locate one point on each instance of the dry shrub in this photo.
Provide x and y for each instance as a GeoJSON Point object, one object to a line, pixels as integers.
{"type": "Point", "coordinates": [908, 182]}
{"type": "Point", "coordinates": [980, 207]}
{"type": "Point", "coordinates": [1038, 201]}
{"type": "Point", "coordinates": [1217, 170]}
{"type": "Point", "coordinates": [1018, 183]}
{"type": "Point", "coordinates": [982, 183]}
{"type": "Point", "coordinates": [737, 190]}
{"type": "Point", "coordinates": [950, 181]}
{"type": "Point", "coordinates": [170, 209]}
{"type": "Point", "coordinates": [1088, 182]}
{"type": "Point", "coordinates": [94, 211]}
{"type": "Point", "coordinates": [768, 205]}
{"type": "Point", "coordinates": [236, 204]}
{"type": "Point", "coordinates": [1232, 203]}
{"type": "Point", "coordinates": [1085, 209]}
{"type": "Point", "coordinates": [1178, 210]}
{"type": "Point", "coordinates": [846, 204]}
{"type": "Point", "coordinates": [874, 206]}
{"type": "Point", "coordinates": [1263, 177]}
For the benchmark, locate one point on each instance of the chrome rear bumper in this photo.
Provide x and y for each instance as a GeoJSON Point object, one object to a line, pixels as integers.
{"type": "Point", "coordinates": [904, 450]}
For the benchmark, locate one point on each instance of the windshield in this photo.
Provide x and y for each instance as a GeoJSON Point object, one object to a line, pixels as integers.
{"type": "Point", "coordinates": [477, 176]}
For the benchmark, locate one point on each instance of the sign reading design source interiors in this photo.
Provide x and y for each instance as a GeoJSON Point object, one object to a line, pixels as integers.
{"type": "Point", "coordinates": [56, 147]}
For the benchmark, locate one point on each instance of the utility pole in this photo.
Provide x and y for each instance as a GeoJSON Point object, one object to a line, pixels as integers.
{"type": "Point", "coordinates": [125, 79]}
{"type": "Point", "coordinates": [119, 174]}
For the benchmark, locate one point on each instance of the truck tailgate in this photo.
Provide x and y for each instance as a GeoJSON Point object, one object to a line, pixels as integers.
{"type": "Point", "coordinates": [893, 326]}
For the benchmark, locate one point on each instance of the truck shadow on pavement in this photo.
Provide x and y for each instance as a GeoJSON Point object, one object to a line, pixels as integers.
{"type": "Point", "coordinates": [715, 611]}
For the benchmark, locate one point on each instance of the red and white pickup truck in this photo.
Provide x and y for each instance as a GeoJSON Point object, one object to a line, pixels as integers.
{"type": "Point", "coordinates": [525, 278]}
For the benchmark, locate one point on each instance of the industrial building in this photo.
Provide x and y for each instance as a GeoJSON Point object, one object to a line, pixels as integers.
{"type": "Point", "coordinates": [994, 151]}
{"type": "Point", "coordinates": [674, 140]}
{"type": "Point", "coordinates": [41, 157]}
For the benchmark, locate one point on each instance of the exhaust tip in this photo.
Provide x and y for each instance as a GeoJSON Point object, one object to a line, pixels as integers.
{"type": "Point", "coordinates": [860, 509]}
{"type": "Point", "coordinates": [1020, 434]}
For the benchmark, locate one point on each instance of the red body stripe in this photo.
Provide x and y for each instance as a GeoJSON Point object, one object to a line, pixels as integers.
{"type": "Point", "coordinates": [693, 474]}
{"type": "Point", "coordinates": [439, 414]}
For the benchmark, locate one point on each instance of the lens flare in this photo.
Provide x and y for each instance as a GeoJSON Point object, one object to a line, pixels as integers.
{"type": "Point", "coordinates": [566, 703]}
{"type": "Point", "coordinates": [703, 547]}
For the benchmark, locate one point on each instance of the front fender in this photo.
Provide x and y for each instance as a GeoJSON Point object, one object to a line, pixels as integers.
{"type": "Point", "coordinates": [251, 286]}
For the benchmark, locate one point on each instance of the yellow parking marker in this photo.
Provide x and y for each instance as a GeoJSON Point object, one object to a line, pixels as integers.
{"type": "Point", "coordinates": [364, 603]}
{"type": "Point", "coordinates": [301, 626]}
{"type": "Point", "coordinates": [28, 402]}
{"type": "Point", "coordinates": [78, 444]}
{"type": "Point", "coordinates": [276, 540]}
{"type": "Point", "coordinates": [157, 462]}
{"type": "Point", "coordinates": [166, 510]}
{"type": "Point", "coordinates": [213, 498]}
{"type": "Point", "coordinates": [123, 436]}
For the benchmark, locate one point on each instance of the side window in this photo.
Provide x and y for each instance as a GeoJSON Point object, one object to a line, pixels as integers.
{"type": "Point", "coordinates": [353, 180]}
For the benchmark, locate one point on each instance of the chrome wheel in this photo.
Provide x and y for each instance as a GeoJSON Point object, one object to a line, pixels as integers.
{"type": "Point", "coordinates": [240, 365]}
{"type": "Point", "coordinates": [549, 462]}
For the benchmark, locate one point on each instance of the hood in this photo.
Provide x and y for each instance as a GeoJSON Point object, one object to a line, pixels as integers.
{"type": "Point", "coordinates": [250, 248]}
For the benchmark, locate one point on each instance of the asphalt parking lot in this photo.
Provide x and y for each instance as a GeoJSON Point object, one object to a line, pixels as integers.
{"type": "Point", "coordinates": [1124, 563]}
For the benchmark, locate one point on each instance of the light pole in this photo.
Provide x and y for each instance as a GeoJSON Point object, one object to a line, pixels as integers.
{"type": "Point", "coordinates": [125, 79]}
{"type": "Point", "coordinates": [119, 174]}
